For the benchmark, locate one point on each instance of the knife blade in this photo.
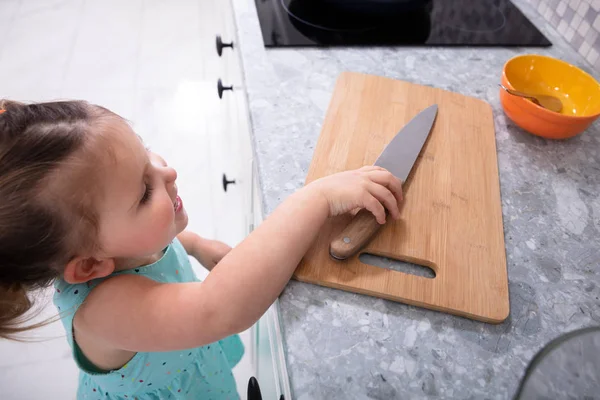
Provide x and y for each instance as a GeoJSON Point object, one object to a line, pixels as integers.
{"type": "Point", "coordinates": [398, 157]}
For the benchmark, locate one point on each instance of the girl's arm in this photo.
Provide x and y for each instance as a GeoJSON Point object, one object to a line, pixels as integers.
{"type": "Point", "coordinates": [133, 313]}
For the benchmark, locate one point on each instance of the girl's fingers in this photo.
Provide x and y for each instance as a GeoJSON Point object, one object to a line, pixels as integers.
{"type": "Point", "coordinates": [383, 177]}
{"type": "Point", "coordinates": [376, 208]}
{"type": "Point", "coordinates": [386, 197]}
{"type": "Point", "coordinates": [369, 169]}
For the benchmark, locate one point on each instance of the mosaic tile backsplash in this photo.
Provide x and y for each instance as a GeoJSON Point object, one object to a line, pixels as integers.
{"type": "Point", "coordinates": [579, 23]}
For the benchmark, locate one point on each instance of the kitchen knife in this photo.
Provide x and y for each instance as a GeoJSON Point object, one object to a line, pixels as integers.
{"type": "Point", "coordinates": [398, 157]}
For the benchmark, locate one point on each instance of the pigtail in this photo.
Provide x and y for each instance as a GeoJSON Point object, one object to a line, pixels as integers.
{"type": "Point", "coordinates": [15, 307]}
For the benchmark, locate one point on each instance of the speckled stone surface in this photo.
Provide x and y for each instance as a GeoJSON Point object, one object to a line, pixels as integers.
{"type": "Point", "coordinates": [346, 346]}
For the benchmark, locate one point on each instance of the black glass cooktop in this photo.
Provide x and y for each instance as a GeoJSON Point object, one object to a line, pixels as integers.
{"type": "Point", "coordinates": [395, 23]}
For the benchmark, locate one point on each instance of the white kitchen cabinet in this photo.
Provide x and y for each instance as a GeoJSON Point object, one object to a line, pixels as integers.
{"type": "Point", "coordinates": [236, 177]}
{"type": "Point", "coordinates": [268, 356]}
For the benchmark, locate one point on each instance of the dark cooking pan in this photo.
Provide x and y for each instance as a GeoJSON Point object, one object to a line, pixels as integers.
{"type": "Point", "coordinates": [372, 7]}
{"type": "Point", "coordinates": [330, 22]}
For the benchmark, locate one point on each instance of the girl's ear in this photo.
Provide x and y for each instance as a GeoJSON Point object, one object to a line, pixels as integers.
{"type": "Point", "coordinates": [84, 269]}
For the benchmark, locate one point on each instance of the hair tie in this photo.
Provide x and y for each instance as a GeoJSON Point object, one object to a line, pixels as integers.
{"type": "Point", "coordinates": [1, 111]}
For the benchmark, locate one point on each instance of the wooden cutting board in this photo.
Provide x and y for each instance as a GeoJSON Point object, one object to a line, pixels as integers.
{"type": "Point", "coordinates": [451, 218]}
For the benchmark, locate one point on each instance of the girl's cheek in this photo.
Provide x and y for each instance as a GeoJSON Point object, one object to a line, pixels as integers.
{"type": "Point", "coordinates": [164, 216]}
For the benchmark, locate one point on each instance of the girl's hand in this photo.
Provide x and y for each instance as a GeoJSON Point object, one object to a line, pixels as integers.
{"type": "Point", "coordinates": [373, 188]}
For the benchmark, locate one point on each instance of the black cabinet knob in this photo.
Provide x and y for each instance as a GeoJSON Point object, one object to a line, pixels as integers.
{"type": "Point", "coordinates": [221, 88]}
{"type": "Point", "coordinates": [221, 45]}
{"type": "Point", "coordinates": [227, 182]}
{"type": "Point", "coordinates": [254, 390]}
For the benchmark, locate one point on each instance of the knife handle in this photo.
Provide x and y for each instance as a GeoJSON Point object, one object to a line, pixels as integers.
{"type": "Point", "coordinates": [355, 236]}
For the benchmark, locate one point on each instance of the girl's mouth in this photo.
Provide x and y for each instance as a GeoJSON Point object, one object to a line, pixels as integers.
{"type": "Point", "coordinates": [178, 204]}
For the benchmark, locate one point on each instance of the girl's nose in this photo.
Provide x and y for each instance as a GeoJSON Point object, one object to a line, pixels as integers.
{"type": "Point", "coordinates": [170, 174]}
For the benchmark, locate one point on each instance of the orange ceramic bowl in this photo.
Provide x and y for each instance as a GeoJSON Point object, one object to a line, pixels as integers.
{"type": "Point", "coordinates": [578, 91]}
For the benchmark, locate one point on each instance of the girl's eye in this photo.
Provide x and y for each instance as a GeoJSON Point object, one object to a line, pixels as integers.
{"type": "Point", "coordinates": [147, 194]}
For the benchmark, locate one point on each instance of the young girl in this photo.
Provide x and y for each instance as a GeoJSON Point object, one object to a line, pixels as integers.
{"type": "Point", "coordinates": [84, 205]}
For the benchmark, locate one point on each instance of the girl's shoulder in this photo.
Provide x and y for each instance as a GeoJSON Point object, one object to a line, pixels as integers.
{"type": "Point", "coordinates": [173, 267]}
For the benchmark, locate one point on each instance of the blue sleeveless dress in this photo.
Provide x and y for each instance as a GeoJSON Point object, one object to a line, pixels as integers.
{"type": "Point", "coordinates": [199, 373]}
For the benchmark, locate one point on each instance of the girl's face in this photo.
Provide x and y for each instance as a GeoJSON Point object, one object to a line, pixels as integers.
{"type": "Point", "coordinates": [140, 212]}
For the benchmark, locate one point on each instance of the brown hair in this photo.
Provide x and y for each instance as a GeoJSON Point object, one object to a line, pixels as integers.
{"type": "Point", "coordinates": [41, 228]}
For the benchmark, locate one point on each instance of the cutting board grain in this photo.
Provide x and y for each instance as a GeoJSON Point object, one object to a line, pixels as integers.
{"type": "Point", "coordinates": [451, 218]}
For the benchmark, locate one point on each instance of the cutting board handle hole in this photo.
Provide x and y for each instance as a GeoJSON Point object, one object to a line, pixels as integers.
{"type": "Point", "coordinates": [397, 265]}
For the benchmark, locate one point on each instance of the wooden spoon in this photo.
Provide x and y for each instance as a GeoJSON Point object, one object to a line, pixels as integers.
{"type": "Point", "coordinates": [550, 102]}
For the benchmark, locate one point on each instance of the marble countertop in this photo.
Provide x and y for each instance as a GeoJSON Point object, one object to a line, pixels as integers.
{"type": "Point", "coordinates": [345, 346]}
